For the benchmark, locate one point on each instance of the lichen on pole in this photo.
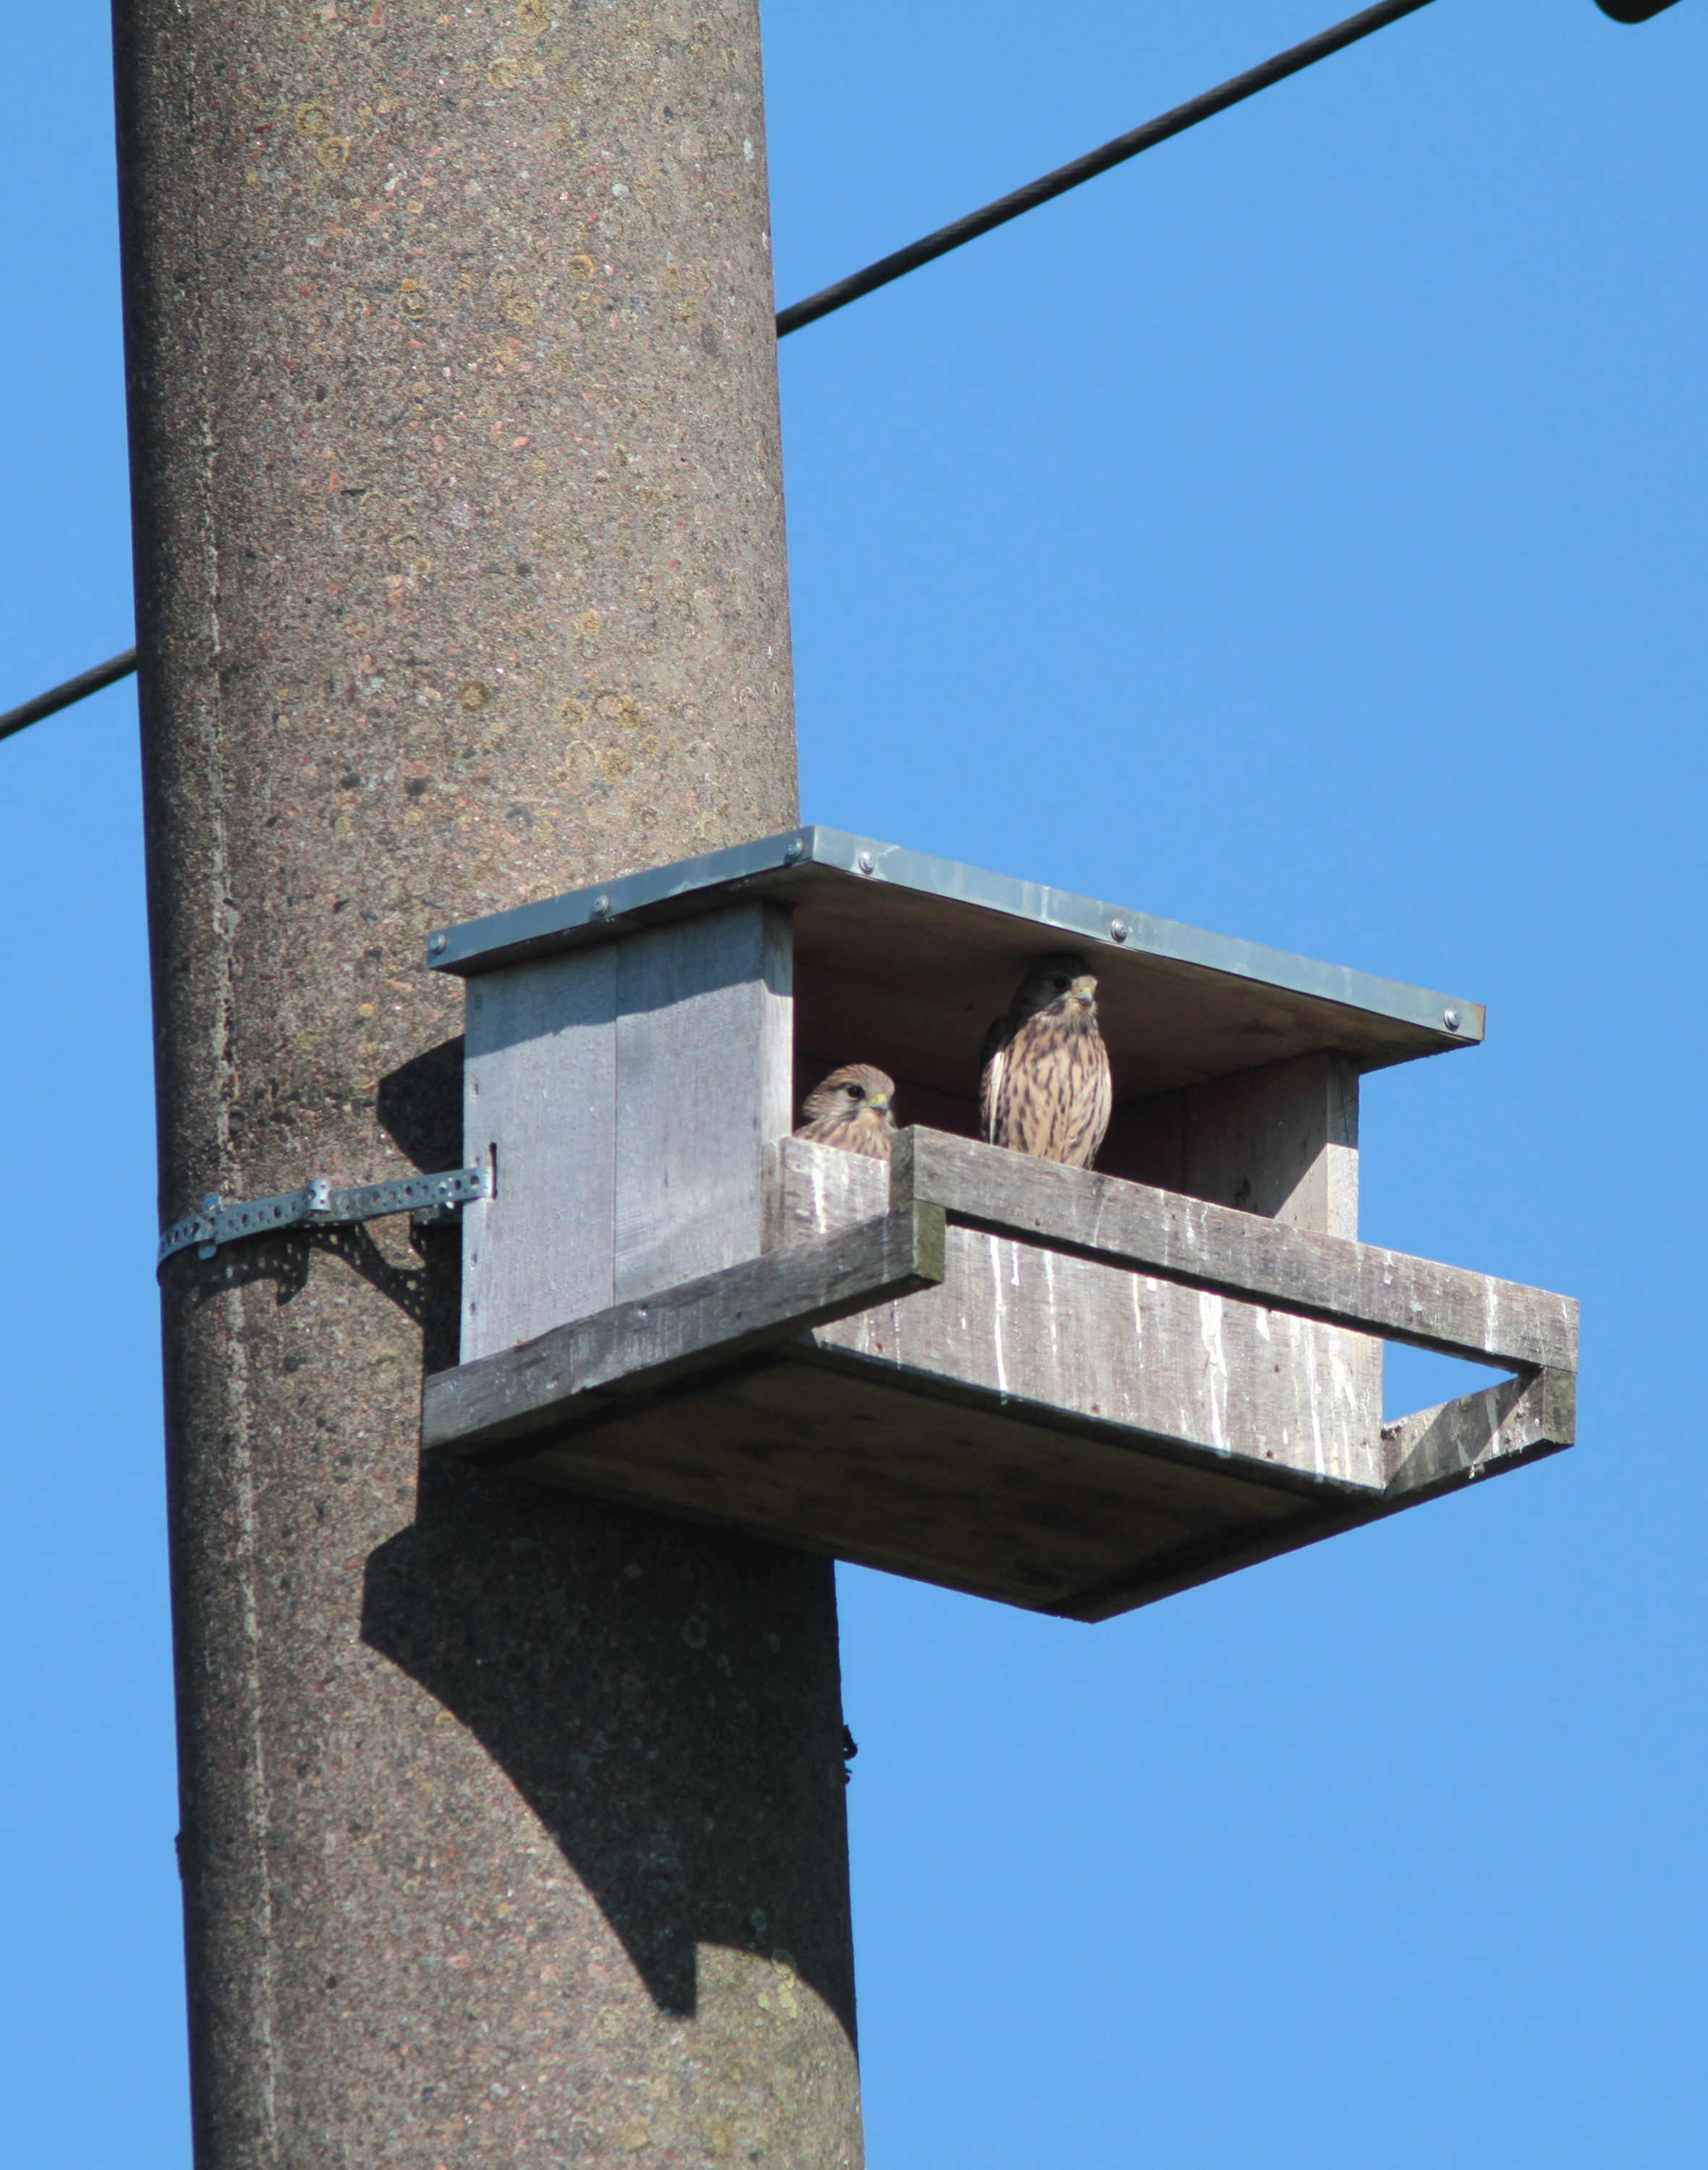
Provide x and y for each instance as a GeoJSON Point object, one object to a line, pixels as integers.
{"type": "Point", "coordinates": [513, 1822]}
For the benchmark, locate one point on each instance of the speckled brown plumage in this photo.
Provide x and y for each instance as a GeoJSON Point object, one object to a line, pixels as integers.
{"type": "Point", "coordinates": [1044, 1083]}
{"type": "Point", "coordinates": [850, 1109]}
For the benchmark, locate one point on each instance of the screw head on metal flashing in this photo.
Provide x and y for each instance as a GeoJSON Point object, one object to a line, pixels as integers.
{"type": "Point", "coordinates": [1119, 930]}
{"type": "Point", "coordinates": [1450, 1019]}
{"type": "Point", "coordinates": [866, 863]}
{"type": "Point", "coordinates": [437, 943]}
{"type": "Point", "coordinates": [602, 906]}
{"type": "Point", "coordinates": [794, 847]}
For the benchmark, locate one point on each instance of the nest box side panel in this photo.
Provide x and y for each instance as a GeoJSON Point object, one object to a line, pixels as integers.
{"type": "Point", "coordinates": [622, 1095]}
{"type": "Point", "coordinates": [539, 1112]}
{"type": "Point", "coordinates": [1280, 1140]}
{"type": "Point", "coordinates": [703, 1054]}
{"type": "Point", "coordinates": [1290, 1131]}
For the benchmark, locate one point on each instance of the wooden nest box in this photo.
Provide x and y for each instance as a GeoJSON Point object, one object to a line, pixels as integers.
{"type": "Point", "coordinates": [1072, 1391]}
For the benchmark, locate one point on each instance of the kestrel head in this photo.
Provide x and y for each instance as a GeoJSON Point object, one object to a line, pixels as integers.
{"type": "Point", "coordinates": [850, 1109]}
{"type": "Point", "coordinates": [1060, 986]}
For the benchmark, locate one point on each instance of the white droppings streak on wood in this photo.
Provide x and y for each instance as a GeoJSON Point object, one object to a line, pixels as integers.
{"type": "Point", "coordinates": [1089, 1337]}
{"type": "Point", "coordinates": [1210, 1334]}
{"type": "Point", "coordinates": [1052, 1311]}
{"type": "Point", "coordinates": [1305, 1356]}
{"type": "Point", "coordinates": [998, 1310]}
{"type": "Point", "coordinates": [821, 1201]}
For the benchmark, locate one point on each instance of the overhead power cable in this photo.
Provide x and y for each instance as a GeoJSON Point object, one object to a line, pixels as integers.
{"type": "Point", "coordinates": [74, 689]}
{"type": "Point", "coordinates": [897, 265]}
{"type": "Point", "coordinates": [1087, 169]}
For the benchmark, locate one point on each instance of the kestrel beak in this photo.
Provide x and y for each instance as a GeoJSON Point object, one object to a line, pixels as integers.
{"type": "Point", "coordinates": [881, 1101]}
{"type": "Point", "coordinates": [1084, 990]}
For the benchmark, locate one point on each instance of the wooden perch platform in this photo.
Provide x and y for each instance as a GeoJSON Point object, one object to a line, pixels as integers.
{"type": "Point", "coordinates": [1064, 1390]}
{"type": "Point", "coordinates": [1069, 1390]}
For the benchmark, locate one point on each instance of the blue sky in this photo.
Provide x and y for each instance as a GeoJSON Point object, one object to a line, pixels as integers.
{"type": "Point", "coordinates": [1300, 532]}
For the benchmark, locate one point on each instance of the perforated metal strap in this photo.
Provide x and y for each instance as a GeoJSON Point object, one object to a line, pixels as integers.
{"type": "Point", "coordinates": [317, 1205]}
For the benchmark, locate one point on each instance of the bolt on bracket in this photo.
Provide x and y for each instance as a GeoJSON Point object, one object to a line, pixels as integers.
{"type": "Point", "coordinates": [317, 1204]}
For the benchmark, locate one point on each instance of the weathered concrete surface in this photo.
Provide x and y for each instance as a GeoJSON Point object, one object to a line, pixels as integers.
{"type": "Point", "coordinates": [513, 1825]}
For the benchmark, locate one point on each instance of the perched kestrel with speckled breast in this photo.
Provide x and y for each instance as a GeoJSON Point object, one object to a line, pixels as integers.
{"type": "Point", "coordinates": [851, 1111]}
{"type": "Point", "coordinates": [1044, 1085]}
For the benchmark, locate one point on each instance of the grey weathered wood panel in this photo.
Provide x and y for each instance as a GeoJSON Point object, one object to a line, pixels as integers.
{"type": "Point", "coordinates": [1436, 1451]}
{"type": "Point", "coordinates": [1216, 1248]}
{"type": "Point", "coordinates": [1286, 1136]}
{"type": "Point", "coordinates": [636, 1347]}
{"type": "Point", "coordinates": [1094, 1340]}
{"type": "Point", "coordinates": [1516, 1420]}
{"type": "Point", "coordinates": [1005, 1504]}
{"type": "Point", "coordinates": [1281, 1140]}
{"type": "Point", "coordinates": [622, 1095]}
{"type": "Point", "coordinates": [1009, 1430]}
{"type": "Point", "coordinates": [703, 1049]}
{"type": "Point", "coordinates": [809, 1450]}
{"type": "Point", "coordinates": [540, 1105]}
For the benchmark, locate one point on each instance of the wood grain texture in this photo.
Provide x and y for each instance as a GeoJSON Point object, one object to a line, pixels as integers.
{"type": "Point", "coordinates": [1518, 1420]}
{"type": "Point", "coordinates": [540, 1108]}
{"type": "Point", "coordinates": [1281, 1140]}
{"type": "Point", "coordinates": [646, 1343]}
{"type": "Point", "coordinates": [1095, 1340]}
{"type": "Point", "coordinates": [836, 1457]}
{"type": "Point", "coordinates": [1007, 1504]}
{"type": "Point", "coordinates": [1436, 1451]}
{"type": "Point", "coordinates": [622, 1095]}
{"type": "Point", "coordinates": [1218, 1248]}
{"type": "Point", "coordinates": [1025, 1415]}
{"type": "Point", "coordinates": [703, 1036]}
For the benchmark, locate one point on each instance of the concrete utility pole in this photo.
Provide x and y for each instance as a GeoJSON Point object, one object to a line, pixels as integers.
{"type": "Point", "coordinates": [513, 1824]}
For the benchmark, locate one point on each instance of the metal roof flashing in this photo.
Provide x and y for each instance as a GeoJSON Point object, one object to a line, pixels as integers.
{"type": "Point", "coordinates": [812, 868]}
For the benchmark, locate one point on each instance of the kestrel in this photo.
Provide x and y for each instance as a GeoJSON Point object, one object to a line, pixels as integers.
{"type": "Point", "coordinates": [851, 1111]}
{"type": "Point", "coordinates": [1044, 1085]}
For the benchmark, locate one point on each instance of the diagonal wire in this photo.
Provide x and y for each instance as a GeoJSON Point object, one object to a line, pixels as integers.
{"type": "Point", "coordinates": [1099, 161]}
{"type": "Point", "coordinates": [74, 689]}
{"type": "Point", "coordinates": [1179, 117]}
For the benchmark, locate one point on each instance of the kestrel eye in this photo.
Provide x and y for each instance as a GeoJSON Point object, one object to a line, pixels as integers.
{"type": "Point", "coordinates": [1060, 986]}
{"type": "Point", "coordinates": [857, 1092]}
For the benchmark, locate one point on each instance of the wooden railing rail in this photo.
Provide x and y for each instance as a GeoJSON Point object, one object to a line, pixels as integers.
{"type": "Point", "coordinates": [1242, 1255]}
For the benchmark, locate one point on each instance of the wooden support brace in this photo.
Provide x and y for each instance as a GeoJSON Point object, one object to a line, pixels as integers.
{"type": "Point", "coordinates": [1437, 1450]}
{"type": "Point", "coordinates": [578, 1371]}
{"type": "Point", "coordinates": [1238, 1254]}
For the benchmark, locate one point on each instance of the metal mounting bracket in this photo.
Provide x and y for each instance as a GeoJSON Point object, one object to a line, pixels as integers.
{"type": "Point", "coordinates": [317, 1204]}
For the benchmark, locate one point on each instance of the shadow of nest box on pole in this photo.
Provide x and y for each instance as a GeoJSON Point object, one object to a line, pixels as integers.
{"type": "Point", "coordinates": [1072, 1391]}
